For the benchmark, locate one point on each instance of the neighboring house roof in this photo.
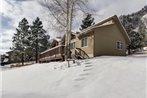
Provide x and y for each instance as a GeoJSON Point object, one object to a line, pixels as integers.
{"type": "Point", "coordinates": [6, 60]}
{"type": "Point", "coordinates": [54, 42]}
{"type": "Point", "coordinates": [51, 49]}
{"type": "Point", "coordinates": [109, 21]}
{"type": "Point", "coordinates": [9, 52]}
{"type": "Point", "coordinates": [73, 36]}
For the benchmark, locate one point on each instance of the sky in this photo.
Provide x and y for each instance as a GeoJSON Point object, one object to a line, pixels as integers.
{"type": "Point", "coordinates": [12, 11]}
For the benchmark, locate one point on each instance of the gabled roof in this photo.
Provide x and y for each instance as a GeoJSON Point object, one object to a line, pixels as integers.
{"type": "Point", "coordinates": [73, 36]}
{"type": "Point", "coordinates": [109, 21]}
{"type": "Point", "coordinates": [53, 43]}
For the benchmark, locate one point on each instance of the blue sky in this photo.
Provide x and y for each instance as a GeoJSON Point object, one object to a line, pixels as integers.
{"type": "Point", "coordinates": [12, 11]}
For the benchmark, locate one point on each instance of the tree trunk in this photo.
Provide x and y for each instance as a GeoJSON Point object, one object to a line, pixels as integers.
{"type": "Point", "coordinates": [68, 29]}
{"type": "Point", "coordinates": [36, 52]}
{"type": "Point", "coordinates": [67, 33]}
{"type": "Point", "coordinates": [22, 59]}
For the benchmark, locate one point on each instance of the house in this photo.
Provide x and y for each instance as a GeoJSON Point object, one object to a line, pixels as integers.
{"type": "Point", "coordinates": [107, 37]}
{"type": "Point", "coordinates": [55, 52]}
{"type": "Point", "coordinates": [4, 59]}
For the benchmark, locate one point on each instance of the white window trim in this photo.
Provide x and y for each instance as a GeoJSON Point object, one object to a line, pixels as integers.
{"type": "Point", "coordinates": [84, 46]}
{"type": "Point", "coordinates": [74, 45]}
{"type": "Point", "coordinates": [87, 42]}
{"type": "Point", "coordinates": [121, 44]}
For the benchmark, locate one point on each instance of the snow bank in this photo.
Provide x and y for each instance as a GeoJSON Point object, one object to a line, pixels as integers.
{"type": "Point", "coordinates": [101, 77]}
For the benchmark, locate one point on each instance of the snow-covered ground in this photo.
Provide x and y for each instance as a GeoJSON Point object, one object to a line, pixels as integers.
{"type": "Point", "coordinates": [100, 77]}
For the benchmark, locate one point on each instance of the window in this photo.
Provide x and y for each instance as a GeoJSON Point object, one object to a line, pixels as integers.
{"type": "Point", "coordinates": [72, 45]}
{"type": "Point", "coordinates": [119, 45]}
{"type": "Point", "coordinates": [84, 42]}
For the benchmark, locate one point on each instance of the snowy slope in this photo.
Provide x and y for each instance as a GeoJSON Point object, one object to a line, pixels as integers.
{"type": "Point", "coordinates": [101, 77]}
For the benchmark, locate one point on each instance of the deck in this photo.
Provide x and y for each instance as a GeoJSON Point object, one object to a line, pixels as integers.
{"type": "Point", "coordinates": [52, 54]}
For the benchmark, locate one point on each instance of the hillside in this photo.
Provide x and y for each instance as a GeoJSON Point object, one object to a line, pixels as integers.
{"type": "Point", "coordinates": [100, 77]}
{"type": "Point", "coordinates": [134, 20]}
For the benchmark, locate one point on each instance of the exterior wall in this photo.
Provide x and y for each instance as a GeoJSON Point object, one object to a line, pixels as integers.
{"type": "Point", "coordinates": [88, 49]}
{"type": "Point", "coordinates": [105, 39]}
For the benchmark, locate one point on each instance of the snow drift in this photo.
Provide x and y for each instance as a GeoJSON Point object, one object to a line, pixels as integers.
{"type": "Point", "coordinates": [101, 77]}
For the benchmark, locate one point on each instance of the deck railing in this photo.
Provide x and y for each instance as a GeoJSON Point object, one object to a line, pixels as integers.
{"type": "Point", "coordinates": [52, 53]}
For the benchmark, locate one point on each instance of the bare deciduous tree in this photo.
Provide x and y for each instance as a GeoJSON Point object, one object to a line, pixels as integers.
{"type": "Point", "coordinates": [63, 11]}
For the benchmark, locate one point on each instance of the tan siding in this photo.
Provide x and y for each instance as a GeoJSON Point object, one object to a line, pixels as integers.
{"type": "Point", "coordinates": [88, 49]}
{"type": "Point", "coordinates": [105, 41]}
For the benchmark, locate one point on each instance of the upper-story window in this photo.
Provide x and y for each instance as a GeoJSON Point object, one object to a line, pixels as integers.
{"type": "Point", "coordinates": [119, 45]}
{"type": "Point", "coordinates": [84, 42]}
{"type": "Point", "coordinates": [72, 45]}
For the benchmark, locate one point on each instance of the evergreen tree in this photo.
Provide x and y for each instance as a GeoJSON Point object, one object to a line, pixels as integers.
{"type": "Point", "coordinates": [20, 39]}
{"type": "Point", "coordinates": [132, 21]}
{"type": "Point", "coordinates": [143, 31]}
{"type": "Point", "coordinates": [39, 38]}
{"type": "Point", "coordinates": [136, 40]}
{"type": "Point", "coordinates": [86, 22]}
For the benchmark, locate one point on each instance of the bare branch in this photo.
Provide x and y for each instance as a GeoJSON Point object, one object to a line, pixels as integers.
{"type": "Point", "coordinates": [60, 5]}
{"type": "Point", "coordinates": [58, 9]}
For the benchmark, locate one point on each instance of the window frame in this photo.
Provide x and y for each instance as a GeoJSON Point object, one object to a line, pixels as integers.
{"type": "Point", "coordinates": [84, 42]}
{"type": "Point", "coordinates": [72, 45]}
{"type": "Point", "coordinates": [119, 45]}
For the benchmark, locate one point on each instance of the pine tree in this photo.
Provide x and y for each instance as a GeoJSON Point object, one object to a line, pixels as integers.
{"type": "Point", "coordinates": [136, 40]}
{"type": "Point", "coordinates": [143, 31]}
{"type": "Point", "coordinates": [39, 38]}
{"type": "Point", "coordinates": [20, 39]}
{"type": "Point", "coordinates": [86, 22]}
